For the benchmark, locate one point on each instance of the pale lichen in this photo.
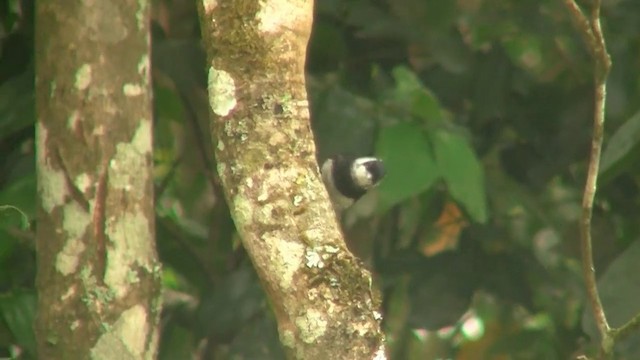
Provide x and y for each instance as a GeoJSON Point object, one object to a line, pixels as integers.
{"type": "Point", "coordinates": [221, 167]}
{"type": "Point", "coordinates": [242, 210]}
{"type": "Point", "coordinates": [52, 185]}
{"type": "Point", "coordinates": [360, 328]}
{"type": "Point", "coordinates": [130, 235]}
{"type": "Point", "coordinates": [380, 354]}
{"type": "Point", "coordinates": [264, 214]}
{"type": "Point", "coordinates": [83, 77]}
{"type": "Point", "coordinates": [277, 139]}
{"type": "Point", "coordinates": [126, 338]}
{"type": "Point", "coordinates": [288, 259]}
{"type": "Point", "coordinates": [132, 90]}
{"type": "Point", "coordinates": [314, 260]}
{"type": "Point", "coordinates": [53, 86]}
{"type": "Point", "coordinates": [142, 139]}
{"type": "Point", "coordinates": [263, 196]}
{"type": "Point", "coordinates": [276, 14]}
{"type": "Point", "coordinates": [105, 24]}
{"type": "Point", "coordinates": [98, 131]}
{"type": "Point", "coordinates": [314, 235]}
{"type": "Point", "coordinates": [209, 5]}
{"type": "Point", "coordinates": [311, 326]}
{"type": "Point", "coordinates": [132, 277]}
{"type": "Point", "coordinates": [128, 168]}
{"type": "Point", "coordinates": [95, 296]}
{"type": "Point", "coordinates": [141, 14]}
{"type": "Point", "coordinates": [144, 68]}
{"type": "Point", "coordinates": [75, 221]}
{"type": "Point", "coordinates": [71, 291]}
{"type": "Point", "coordinates": [134, 329]}
{"type": "Point", "coordinates": [287, 338]}
{"type": "Point", "coordinates": [317, 256]}
{"type": "Point", "coordinates": [82, 182]}
{"type": "Point", "coordinates": [73, 120]}
{"type": "Point", "coordinates": [222, 92]}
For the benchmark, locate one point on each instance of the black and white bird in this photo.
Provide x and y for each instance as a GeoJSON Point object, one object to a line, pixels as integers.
{"type": "Point", "coordinates": [349, 178]}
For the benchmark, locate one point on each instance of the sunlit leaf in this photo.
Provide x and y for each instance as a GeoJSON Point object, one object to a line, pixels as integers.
{"type": "Point", "coordinates": [409, 164]}
{"type": "Point", "coordinates": [461, 171]}
{"type": "Point", "coordinates": [619, 292]}
{"type": "Point", "coordinates": [410, 91]}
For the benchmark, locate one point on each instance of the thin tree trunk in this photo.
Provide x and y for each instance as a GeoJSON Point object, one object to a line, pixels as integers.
{"type": "Point", "coordinates": [320, 293]}
{"type": "Point", "coordinates": [98, 280]}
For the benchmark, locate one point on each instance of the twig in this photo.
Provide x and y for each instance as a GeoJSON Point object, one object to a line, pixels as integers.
{"type": "Point", "coordinates": [581, 22]}
{"type": "Point", "coordinates": [178, 236]}
{"type": "Point", "coordinates": [192, 118]}
{"type": "Point", "coordinates": [625, 330]}
{"type": "Point", "coordinates": [159, 190]}
{"type": "Point", "coordinates": [591, 32]}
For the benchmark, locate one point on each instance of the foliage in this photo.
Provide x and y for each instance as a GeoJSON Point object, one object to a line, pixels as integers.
{"type": "Point", "coordinates": [481, 110]}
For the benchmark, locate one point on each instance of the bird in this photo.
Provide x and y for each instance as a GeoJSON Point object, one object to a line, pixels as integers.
{"type": "Point", "coordinates": [348, 178]}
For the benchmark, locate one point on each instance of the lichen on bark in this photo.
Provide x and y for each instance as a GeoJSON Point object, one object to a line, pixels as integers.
{"type": "Point", "coordinates": [321, 294]}
{"type": "Point", "coordinates": [98, 280]}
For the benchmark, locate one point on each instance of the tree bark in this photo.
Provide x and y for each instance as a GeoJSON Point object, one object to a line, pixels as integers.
{"type": "Point", "coordinates": [321, 294]}
{"type": "Point", "coordinates": [98, 280]}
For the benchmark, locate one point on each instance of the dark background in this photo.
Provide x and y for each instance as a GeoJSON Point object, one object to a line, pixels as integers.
{"type": "Point", "coordinates": [482, 112]}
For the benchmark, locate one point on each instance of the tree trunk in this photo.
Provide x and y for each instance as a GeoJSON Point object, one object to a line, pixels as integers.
{"type": "Point", "coordinates": [98, 280]}
{"type": "Point", "coordinates": [320, 293]}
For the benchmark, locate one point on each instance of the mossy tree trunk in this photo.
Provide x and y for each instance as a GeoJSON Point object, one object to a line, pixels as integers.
{"type": "Point", "coordinates": [320, 293]}
{"type": "Point", "coordinates": [98, 280]}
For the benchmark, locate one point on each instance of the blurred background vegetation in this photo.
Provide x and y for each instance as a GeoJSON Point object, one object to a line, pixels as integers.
{"type": "Point", "coordinates": [481, 110]}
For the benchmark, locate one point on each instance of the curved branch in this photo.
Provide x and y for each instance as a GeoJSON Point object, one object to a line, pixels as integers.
{"type": "Point", "coordinates": [320, 293]}
{"type": "Point", "coordinates": [591, 31]}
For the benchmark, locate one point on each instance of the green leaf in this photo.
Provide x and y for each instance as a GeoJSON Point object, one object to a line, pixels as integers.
{"type": "Point", "coordinates": [177, 343]}
{"type": "Point", "coordinates": [410, 167]}
{"type": "Point", "coordinates": [619, 292]}
{"type": "Point", "coordinates": [622, 149]}
{"type": "Point", "coordinates": [24, 220]}
{"type": "Point", "coordinates": [16, 103]}
{"type": "Point", "coordinates": [183, 268]}
{"type": "Point", "coordinates": [461, 171]}
{"type": "Point", "coordinates": [7, 247]}
{"type": "Point", "coordinates": [19, 311]}
{"type": "Point", "coordinates": [410, 91]}
{"type": "Point", "coordinates": [20, 195]}
{"type": "Point", "coordinates": [169, 111]}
